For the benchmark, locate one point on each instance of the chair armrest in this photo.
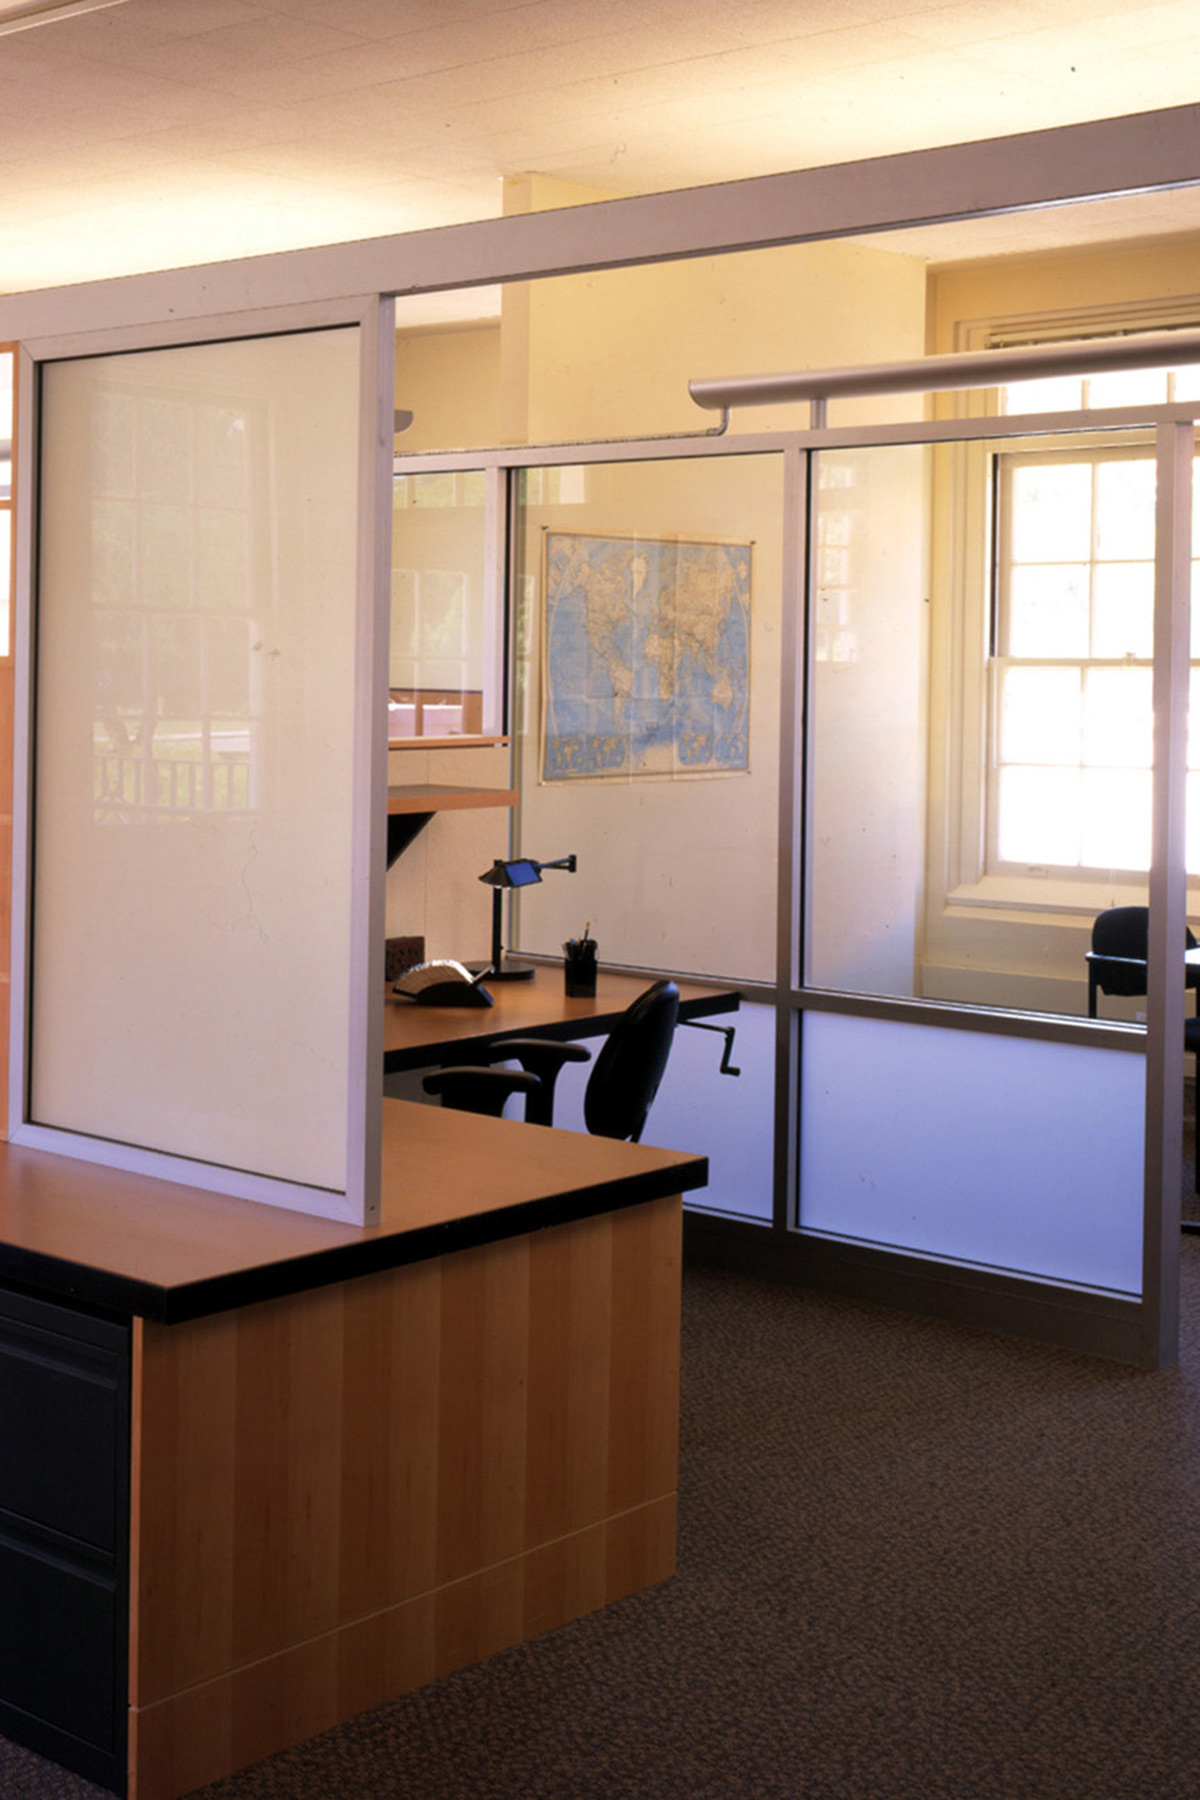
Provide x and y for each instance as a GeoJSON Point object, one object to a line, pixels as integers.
{"type": "Point", "coordinates": [475, 1090]}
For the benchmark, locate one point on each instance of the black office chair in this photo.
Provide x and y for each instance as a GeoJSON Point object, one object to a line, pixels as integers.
{"type": "Point", "coordinates": [621, 1087]}
{"type": "Point", "coordinates": [1117, 964]}
{"type": "Point", "coordinates": [1117, 959]}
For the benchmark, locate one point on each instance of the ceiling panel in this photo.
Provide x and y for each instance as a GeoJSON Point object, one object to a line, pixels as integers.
{"type": "Point", "coordinates": [163, 131]}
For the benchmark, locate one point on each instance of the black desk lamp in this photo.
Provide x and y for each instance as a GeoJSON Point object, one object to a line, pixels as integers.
{"type": "Point", "coordinates": [522, 873]}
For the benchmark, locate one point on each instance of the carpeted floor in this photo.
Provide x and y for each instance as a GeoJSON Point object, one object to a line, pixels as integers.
{"type": "Point", "coordinates": [916, 1563]}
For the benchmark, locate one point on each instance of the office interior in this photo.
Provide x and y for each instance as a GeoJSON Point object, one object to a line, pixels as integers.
{"type": "Point", "coordinates": [909, 896]}
{"type": "Point", "coordinates": [683, 872]}
{"type": "Point", "coordinates": [905, 999]}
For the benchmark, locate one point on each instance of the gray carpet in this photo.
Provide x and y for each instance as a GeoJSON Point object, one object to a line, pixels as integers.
{"type": "Point", "coordinates": [916, 1563]}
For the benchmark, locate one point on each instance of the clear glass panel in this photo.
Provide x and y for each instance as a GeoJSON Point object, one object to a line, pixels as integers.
{"type": "Point", "coordinates": [1118, 718]}
{"type": "Point", "coordinates": [647, 709]}
{"type": "Point", "coordinates": [1125, 510]}
{"type": "Point", "coordinates": [1056, 393]}
{"type": "Point", "coordinates": [439, 679]}
{"type": "Point", "coordinates": [868, 706]}
{"type": "Point", "coordinates": [1048, 610]}
{"type": "Point", "coordinates": [1042, 1173]}
{"type": "Point", "coordinates": [1052, 512]}
{"type": "Point", "coordinates": [963, 839]}
{"type": "Point", "coordinates": [1115, 821]}
{"type": "Point", "coordinates": [1123, 610]}
{"type": "Point", "coordinates": [192, 896]}
{"type": "Point", "coordinates": [1128, 387]}
{"type": "Point", "coordinates": [1039, 819]}
{"type": "Point", "coordinates": [1040, 716]}
{"type": "Point", "coordinates": [8, 363]}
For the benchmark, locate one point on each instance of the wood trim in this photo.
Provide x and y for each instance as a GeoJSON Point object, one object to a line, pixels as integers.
{"type": "Point", "coordinates": [431, 797]}
{"type": "Point", "coordinates": [344, 1493]}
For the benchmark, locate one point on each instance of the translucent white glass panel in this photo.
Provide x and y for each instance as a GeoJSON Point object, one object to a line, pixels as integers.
{"type": "Point", "coordinates": [646, 635]}
{"type": "Point", "coordinates": [1012, 1153]}
{"type": "Point", "coordinates": [195, 698]}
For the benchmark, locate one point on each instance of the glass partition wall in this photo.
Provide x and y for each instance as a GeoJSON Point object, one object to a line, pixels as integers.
{"type": "Point", "coordinates": [946, 670]}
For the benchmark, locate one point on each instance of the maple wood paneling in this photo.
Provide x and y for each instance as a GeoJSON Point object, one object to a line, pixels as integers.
{"type": "Point", "coordinates": [342, 1494]}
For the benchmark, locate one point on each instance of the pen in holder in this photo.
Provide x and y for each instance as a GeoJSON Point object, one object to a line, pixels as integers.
{"type": "Point", "coordinates": [579, 965]}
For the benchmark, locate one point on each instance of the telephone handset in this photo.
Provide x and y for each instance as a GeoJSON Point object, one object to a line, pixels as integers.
{"type": "Point", "coordinates": [442, 983]}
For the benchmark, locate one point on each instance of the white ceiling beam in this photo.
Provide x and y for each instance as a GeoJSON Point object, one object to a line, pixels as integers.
{"type": "Point", "coordinates": [1139, 153]}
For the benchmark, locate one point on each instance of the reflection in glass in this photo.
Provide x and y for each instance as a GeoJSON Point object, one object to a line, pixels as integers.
{"type": "Point", "coordinates": [178, 609]}
{"type": "Point", "coordinates": [439, 680]}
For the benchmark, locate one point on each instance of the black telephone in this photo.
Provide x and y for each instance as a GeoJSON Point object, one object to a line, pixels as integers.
{"type": "Point", "coordinates": [442, 984]}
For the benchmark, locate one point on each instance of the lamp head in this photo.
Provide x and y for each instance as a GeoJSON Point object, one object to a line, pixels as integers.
{"type": "Point", "coordinates": [524, 872]}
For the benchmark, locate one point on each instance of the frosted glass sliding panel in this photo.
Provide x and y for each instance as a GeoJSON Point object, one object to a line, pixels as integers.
{"type": "Point", "coordinates": [647, 626]}
{"type": "Point", "coordinates": [1008, 1152]}
{"type": "Point", "coordinates": [192, 878]}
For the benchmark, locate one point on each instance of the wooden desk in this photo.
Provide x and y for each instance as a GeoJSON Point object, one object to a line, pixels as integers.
{"type": "Point", "coordinates": [419, 1037]}
{"type": "Point", "coordinates": [264, 1471]}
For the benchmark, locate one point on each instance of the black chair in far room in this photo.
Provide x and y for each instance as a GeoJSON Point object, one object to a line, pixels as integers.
{"type": "Point", "coordinates": [1117, 964]}
{"type": "Point", "coordinates": [1117, 959]}
{"type": "Point", "coordinates": [621, 1087]}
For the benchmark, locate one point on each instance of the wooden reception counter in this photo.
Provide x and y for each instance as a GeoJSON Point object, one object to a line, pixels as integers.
{"type": "Point", "coordinates": [263, 1472]}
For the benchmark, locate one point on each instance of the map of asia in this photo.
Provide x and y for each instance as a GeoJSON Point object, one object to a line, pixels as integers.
{"type": "Point", "coordinates": [647, 657]}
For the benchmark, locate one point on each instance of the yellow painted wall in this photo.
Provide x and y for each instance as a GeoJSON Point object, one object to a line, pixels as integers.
{"type": "Point", "coordinates": [450, 382]}
{"type": "Point", "coordinates": [1151, 274]}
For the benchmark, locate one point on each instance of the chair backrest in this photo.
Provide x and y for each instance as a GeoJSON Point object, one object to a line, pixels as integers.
{"type": "Point", "coordinates": [630, 1065]}
{"type": "Point", "coordinates": [1117, 958]}
{"type": "Point", "coordinates": [1121, 933]}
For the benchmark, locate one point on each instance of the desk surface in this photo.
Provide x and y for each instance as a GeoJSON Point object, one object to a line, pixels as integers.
{"type": "Point", "coordinates": [451, 1181]}
{"type": "Point", "coordinates": [415, 1037]}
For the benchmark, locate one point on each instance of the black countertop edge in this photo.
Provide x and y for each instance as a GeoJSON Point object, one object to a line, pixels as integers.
{"type": "Point", "coordinates": [374, 1252]}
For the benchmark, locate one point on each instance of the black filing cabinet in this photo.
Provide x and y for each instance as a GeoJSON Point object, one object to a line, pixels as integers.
{"type": "Point", "coordinates": [64, 1534]}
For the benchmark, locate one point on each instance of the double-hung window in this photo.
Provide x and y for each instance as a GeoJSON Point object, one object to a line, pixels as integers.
{"type": "Point", "coordinates": [1072, 644]}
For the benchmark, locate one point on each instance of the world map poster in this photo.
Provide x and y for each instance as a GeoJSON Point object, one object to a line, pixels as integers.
{"type": "Point", "coordinates": [646, 659]}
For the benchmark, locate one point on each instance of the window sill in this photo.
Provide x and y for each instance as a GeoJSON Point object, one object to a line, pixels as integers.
{"type": "Point", "coordinates": [1058, 896]}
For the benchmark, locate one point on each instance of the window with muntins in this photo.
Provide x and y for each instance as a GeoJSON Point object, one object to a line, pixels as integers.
{"type": "Point", "coordinates": [1071, 726]}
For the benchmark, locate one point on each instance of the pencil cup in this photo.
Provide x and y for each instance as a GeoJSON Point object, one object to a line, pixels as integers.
{"type": "Point", "coordinates": [579, 967]}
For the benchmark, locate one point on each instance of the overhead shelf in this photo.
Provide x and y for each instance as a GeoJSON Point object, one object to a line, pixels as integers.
{"type": "Point", "coordinates": [410, 809]}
